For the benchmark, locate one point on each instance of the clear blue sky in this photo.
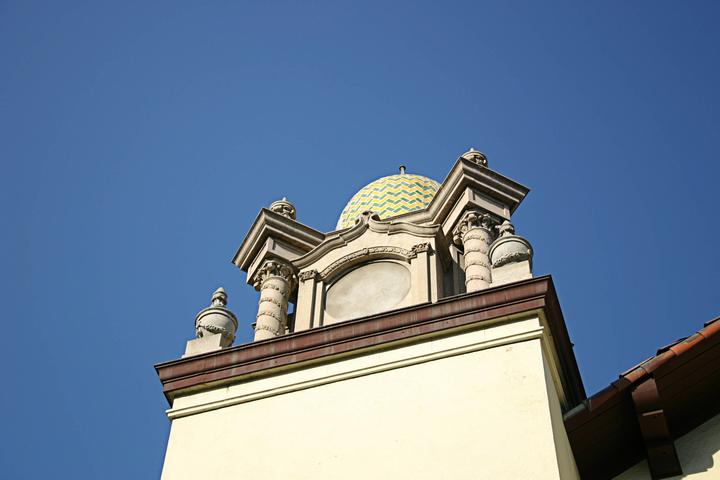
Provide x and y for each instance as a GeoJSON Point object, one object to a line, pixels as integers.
{"type": "Point", "coordinates": [140, 139]}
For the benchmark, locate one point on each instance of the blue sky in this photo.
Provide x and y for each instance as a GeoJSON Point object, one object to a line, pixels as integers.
{"type": "Point", "coordinates": [140, 139]}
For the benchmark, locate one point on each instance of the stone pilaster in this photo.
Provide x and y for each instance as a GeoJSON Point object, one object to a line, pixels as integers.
{"type": "Point", "coordinates": [275, 281]}
{"type": "Point", "coordinates": [475, 233]}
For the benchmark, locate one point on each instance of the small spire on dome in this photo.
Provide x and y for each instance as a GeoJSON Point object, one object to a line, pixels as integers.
{"type": "Point", "coordinates": [402, 169]}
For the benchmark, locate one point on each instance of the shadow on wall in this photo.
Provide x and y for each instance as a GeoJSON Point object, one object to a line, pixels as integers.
{"type": "Point", "coordinates": [698, 451]}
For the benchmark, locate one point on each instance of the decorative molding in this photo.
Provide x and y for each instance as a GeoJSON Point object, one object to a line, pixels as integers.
{"type": "Point", "coordinates": [476, 234]}
{"type": "Point", "coordinates": [273, 301]}
{"type": "Point", "coordinates": [484, 278]}
{"type": "Point", "coordinates": [422, 247]}
{"type": "Point", "coordinates": [247, 392]}
{"type": "Point", "coordinates": [352, 258]}
{"type": "Point", "coordinates": [391, 227]}
{"type": "Point", "coordinates": [367, 221]}
{"type": "Point", "coordinates": [212, 329]}
{"type": "Point", "coordinates": [512, 257]}
{"type": "Point", "coordinates": [309, 275]}
{"type": "Point", "coordinates": [469, 174]}
{"type": "Point", "coordinates": [275, 331]}
{"type": "Point", "coordinates": [510, 248]}
{"type": "Point", "coordinates": [324, 344]}
{"type": "Point", "coordinates": [269, 224]}
{"type": "Point", "coordinates": [478, 261]}
{"type": "Point", "coordinates": [284, 292]}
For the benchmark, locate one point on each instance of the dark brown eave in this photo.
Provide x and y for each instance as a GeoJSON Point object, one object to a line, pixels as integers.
{"type": "Point", "coordinates": [355, 336]}
{"type": "Point", "coordinates": [604, 430]}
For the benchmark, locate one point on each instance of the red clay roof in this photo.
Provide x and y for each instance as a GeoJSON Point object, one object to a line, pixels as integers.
{"type": "Point", "coordinates": [604, 431]}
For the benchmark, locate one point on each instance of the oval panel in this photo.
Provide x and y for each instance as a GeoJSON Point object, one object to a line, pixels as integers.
{"type": "Point", "coordinates": [372, 288]}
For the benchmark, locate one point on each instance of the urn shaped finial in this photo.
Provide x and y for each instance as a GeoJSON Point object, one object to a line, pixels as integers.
{"type": "Point", "coordinates": [508, 247]}
{"type": "Point", "coordinates": [217, 318]}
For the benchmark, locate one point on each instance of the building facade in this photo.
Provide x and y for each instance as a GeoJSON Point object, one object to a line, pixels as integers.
{"type": "Point", "coordinates": [414, 342]}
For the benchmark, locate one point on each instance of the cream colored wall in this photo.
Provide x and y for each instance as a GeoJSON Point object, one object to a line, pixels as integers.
{"type": "Point", "coordinates": [698, 451]}
{"type": "Point", "coordinates": [563, 450]}
{"type": "Point", "coordinates": [479, 404]}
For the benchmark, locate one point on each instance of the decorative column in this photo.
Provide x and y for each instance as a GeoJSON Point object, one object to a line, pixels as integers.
{"type": "Point", "coordinates": [475, 233]}
{"type": "Point", "coordinates": [275, 281]}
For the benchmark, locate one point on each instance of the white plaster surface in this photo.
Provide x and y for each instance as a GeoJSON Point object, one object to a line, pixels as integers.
{"type": "Point", "coordinates": [698, 451]}
{"type": "Point", "coordinates": [372, 288]}
{"type": "Point", "coordinates": [479, 404]}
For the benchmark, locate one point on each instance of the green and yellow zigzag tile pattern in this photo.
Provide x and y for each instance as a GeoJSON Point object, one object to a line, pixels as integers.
{"type": "Point", "coordinates": [389, 197]}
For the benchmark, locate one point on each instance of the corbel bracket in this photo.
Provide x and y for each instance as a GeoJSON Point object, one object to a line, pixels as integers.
{"type": "Point", "coordinates": [661, 453]}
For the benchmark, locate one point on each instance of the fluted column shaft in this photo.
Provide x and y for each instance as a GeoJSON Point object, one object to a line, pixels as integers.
{"type": "Point", "coordinates": [475, 233]}
{"type": "Point", "coordinates": [275, 281]}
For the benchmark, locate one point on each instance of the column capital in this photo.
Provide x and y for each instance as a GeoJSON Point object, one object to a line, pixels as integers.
{"type": "Point", "coordinates": [473, 219]}
{"type": "Point", "coordinates": [274, 268]}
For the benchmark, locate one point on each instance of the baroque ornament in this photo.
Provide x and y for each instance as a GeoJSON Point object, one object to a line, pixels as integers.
{"type": "Point", "coordinates": [471, 220]}
{"type": "Point", "coordinates": [352, 257]}
{"type": "Point", "coordinates": [505, 229]}
{"type": "Point", "coordinates": [272, 268]}
{"type": "Point", "coordinates": [309, 275]}
{"type": "Point", "coordinates": [284, 208]}
{"type": "Point", "coordinates": [422, 247]}
{"type": "Point", "coordinates": [475, 157]}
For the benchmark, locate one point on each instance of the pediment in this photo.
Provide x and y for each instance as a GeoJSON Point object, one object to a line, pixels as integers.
{"type": "Point", "coordinates": [371, 233]}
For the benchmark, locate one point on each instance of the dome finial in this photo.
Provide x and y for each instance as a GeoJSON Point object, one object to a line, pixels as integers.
{"type": "Point", "coordinates": [402, 169]}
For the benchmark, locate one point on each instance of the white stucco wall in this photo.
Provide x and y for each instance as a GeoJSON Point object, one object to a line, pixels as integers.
{"type": "Point", "coordinates": [698, 451]}
{"type": "Point", "coordinates": [480, 404]}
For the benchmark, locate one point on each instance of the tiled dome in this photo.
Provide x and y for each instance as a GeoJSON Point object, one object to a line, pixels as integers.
{"type": "Point", "coordinates": [390, 196]}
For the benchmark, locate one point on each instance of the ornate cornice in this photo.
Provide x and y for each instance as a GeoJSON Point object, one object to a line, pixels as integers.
{"type": "Point", "coordinates": [367, 221]}
{"type": "Point", "coordinates": [326, 344]}
{"type": "Point", "coordinates": [269, 224]}
{"type": "Point", "coordinates": [468, 174]}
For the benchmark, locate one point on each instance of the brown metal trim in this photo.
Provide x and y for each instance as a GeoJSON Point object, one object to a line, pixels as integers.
{"type": "Point", "coordinates": [355, 336]}
{"type": "Point", "coordinates": [662, 456]}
